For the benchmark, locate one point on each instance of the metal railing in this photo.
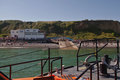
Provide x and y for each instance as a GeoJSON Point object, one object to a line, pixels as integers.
{"type": "Point", "coordinates": [52, 64]}
{"type": "Point", "coordinates": [11, 65]}
{"type": "Point", "coordinates": [90, 68]}
{"type": "Point", "coordinates": [96, 55]}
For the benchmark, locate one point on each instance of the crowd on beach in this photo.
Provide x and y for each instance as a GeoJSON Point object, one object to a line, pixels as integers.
{"type": "Point", "coordinates": [14, 43]}
{"type": "Point", "coordinates": [28, 45]}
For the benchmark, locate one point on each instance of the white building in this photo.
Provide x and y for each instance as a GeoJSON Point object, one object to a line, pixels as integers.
{"type": "Point", "coordinates": [27, 34]}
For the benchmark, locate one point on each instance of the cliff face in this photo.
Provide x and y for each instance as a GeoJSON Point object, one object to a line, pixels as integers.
{"type": "Point", "coordinates": [99, 25]}
{"type": "Point", "coordinates": [59, 27]}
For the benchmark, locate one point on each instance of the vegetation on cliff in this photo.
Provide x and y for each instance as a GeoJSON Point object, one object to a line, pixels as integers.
{"type": "Point", "coordinates": [74, 29]}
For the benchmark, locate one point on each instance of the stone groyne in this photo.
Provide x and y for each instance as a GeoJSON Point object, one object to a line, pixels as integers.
{"type": "Point", "coordinates": [67, 45]}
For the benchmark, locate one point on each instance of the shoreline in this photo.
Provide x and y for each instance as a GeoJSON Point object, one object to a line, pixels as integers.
{"type": "Point", "coordinates": [56, 46]}
{"type": "Point", "coordinates": [31, 45]}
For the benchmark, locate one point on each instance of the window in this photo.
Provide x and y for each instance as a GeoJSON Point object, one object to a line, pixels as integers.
{"type": "Point", "coordinates": [27, 33]}
{"type": "Point", "coordinates": [34, 33]}
{"type": "Point", "coordinates": [21, 31]}
{"type": "Point", "coordinates": [34, 30]}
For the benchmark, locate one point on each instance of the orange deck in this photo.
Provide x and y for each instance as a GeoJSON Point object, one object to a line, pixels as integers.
{"type": "Point", "coordinates": [44, 78]}
{"type": "Point", "coordinates": [64, 77]}
{"type": "Point", "coordinates": [29, 78]}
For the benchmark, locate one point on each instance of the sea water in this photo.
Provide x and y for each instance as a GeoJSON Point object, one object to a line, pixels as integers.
{"type": "Point", "coordinates": [13, 56]}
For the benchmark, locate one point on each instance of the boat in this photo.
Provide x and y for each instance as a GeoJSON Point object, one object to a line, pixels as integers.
{"type": "Point", "coordinates": [93, 70]}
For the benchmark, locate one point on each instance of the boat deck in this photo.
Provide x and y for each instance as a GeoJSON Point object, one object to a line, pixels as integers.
{"type": "Point", "coordinates": [29, 78]}
{"type": "Point", "coordinates": [73, 71]}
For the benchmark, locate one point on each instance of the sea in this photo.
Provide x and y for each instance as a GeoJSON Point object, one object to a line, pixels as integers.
{"type": "Point", "coordinates": [18, 55]}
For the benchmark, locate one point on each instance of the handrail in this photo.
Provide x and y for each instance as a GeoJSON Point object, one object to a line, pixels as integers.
{"type": "Point", "coordinates": [90, 67]}
{"type": "Point", "coordinates": [10, 66]}
{"type": "Point", "coordinates": [90, 53]}
{"type": "Point", "coordinates": [85, 71]}
{"type": "Point", "coordinates": [55, 60]}
{"type": "Point", "coordinates": [93, 52]}
{"type": "Point", "coordinates": [28, 62]}
{"type": "Point", "coordinates": [96, 54]}
{"type": "Point", "coordinates": [86, 54]}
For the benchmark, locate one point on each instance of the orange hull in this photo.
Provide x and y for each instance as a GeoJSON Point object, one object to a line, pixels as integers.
{"type": "Point", "coordinates": [29, 78]}
{"type": "Point", "coordinates": [41, 78]}
{"type": "Point", "coordinates": [45, 78]}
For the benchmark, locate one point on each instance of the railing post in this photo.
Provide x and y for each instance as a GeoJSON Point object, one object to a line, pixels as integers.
{"type": "Point", "coordinates": [118, 53]}
{"type": "Point", "coordinates": [51, 68]}
{"type": "Point", "coordinates": [42, 68]}
{"type": "Point", "coordinates": [10, 72]}
{"type": "Point", "coordinates": [77, 64]}
{"type": "Point", "coordinates": [96, 54]}
{"type": "Point", "coordinates": [61, 66]}
{"type": "Point", "coordinates": [115, 74]}
{"type": "Point", "coordinates": [78, 56]}
{"type": "Point", "coordinates": [55, 60]}
{"type": "Point", "coordinates": [49, 59]}
{"type": "Point", "coordinates": [91, 73]}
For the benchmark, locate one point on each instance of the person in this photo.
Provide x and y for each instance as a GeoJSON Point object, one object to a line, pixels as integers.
{"type": "Point", "coordinates": [104, 65]}
{"type": "Point", "coordinates": [106, 60]}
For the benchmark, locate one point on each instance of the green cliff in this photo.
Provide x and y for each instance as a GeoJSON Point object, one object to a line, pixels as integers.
{"type": "Point", "coordinates": [86, 29]}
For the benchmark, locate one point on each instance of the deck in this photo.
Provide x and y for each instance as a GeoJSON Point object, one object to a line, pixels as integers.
{"type": "Point", "coordinates": [73, 71]}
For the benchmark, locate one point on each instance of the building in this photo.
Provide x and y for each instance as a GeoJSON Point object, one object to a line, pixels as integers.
{"type": "Point", "coordinates": [27, 34]}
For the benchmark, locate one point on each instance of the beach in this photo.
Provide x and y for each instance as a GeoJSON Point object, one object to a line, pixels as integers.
{"type": "Point", "coordinates": [61, 45]}
{"type": "Point", "coordinates": [28, 45]}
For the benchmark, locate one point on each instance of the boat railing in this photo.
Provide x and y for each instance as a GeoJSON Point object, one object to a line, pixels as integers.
{"type": "Point", "coordinates": [52, 64]}
{"type": "Point", "coordinates": [96, 55]}
{"type": "Point", "coordinates": [93, 53]}
{"type": "Point", "coordinates": [42, 66]}
{"type": "Point", "coordinates": [91, 68]}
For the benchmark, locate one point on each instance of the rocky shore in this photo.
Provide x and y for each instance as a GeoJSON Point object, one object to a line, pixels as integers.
{"type": "Point", "coordinates": [61, 45]}
{"type": "Point", "coordinates": [99, 44]}
{"type": "Point", "coordinates": [29, 45]}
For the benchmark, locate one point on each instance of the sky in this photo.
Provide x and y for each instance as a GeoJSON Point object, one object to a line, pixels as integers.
{"type": "Point", "coordinates": [59, 10]}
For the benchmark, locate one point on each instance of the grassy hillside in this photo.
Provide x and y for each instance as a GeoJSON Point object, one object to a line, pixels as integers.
{"type": "Point", "coordinates": [74, 29]}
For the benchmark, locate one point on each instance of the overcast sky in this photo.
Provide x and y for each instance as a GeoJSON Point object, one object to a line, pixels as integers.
{"type": "Point", "coordinates": [62, 10]}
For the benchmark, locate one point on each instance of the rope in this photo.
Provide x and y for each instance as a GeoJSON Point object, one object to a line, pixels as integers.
{"type": "Point", "coordinates": [20, 55]}
{"type": "Point", "coordinates": [26, 68]}
{"type": "Point", "coordinates": [29, 67]}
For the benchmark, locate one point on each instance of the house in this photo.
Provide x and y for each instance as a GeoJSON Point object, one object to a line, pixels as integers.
{"type": "Point", "coordinates": [28, 34]}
